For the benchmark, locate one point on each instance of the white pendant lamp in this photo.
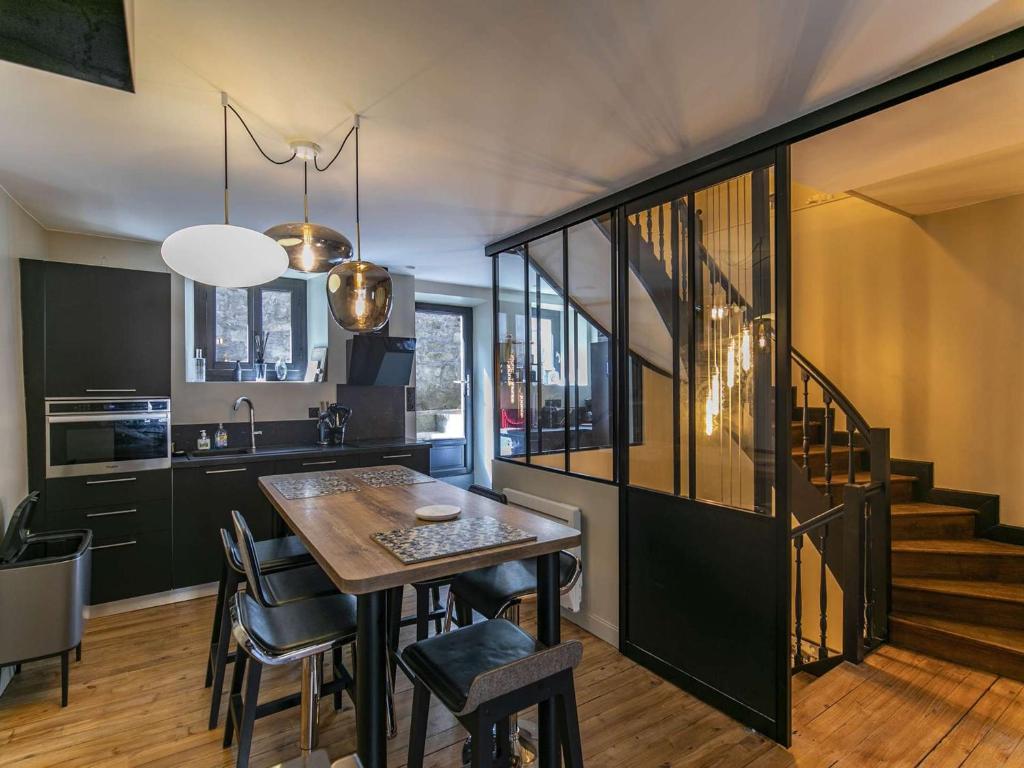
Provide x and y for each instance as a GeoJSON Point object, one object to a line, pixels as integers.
{"type": "Point", "coordinates": [224, 255]}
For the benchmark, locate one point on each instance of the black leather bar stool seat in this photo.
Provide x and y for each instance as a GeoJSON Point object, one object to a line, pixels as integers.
{"type": "Point", "coordinates": [484, 674]}
{"type": "Point", "coordinates": [301, 631]}
{"type": "Point", "coordinates": [284, 585]}
{"type": "Point", "coordinates": [490, 591]}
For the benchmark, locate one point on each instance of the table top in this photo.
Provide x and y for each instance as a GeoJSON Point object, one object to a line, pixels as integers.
{"type": "Point", "coordinates": [338, 528]}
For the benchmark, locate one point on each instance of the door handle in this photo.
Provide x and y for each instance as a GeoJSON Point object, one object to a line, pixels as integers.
{"type": "Point", "coordinates": [113, 480]}
{"type": "Point", "coordinates": [226, 471]}
{"type": "Point", "coordinates": [398, 456]}
{"type": "Point", "coordinates": [111, 390]}
{"type": "Point", "coordinates": [113, 546]}
{"type": "Point", "coordinates": [110, 514]}
{"type": "Point", "coordinates": [318, 463]}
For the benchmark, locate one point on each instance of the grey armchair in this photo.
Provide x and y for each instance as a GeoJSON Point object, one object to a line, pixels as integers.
{"type": "Point", "coordinates": [44, 586]}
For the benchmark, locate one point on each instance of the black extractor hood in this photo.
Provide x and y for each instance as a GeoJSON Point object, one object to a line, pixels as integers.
{"type": "Point", "coordinates": [384, 361]}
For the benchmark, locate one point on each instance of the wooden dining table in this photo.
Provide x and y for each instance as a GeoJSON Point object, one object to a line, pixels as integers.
{"type": "Point", "coordinates": [338, 529]}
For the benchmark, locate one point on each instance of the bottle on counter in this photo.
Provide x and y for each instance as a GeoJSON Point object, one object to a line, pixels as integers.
{"type": "Point", "coordinates": [199, 366]}
{"type": "Point", "coordinates": [203, 443]}
{"type": "Point", "coordinates": [220, 437]}
{"type": "Point", "coordinates": [238, 370]}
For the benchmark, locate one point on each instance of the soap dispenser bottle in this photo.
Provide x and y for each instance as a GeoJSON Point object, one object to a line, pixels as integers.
{"type": "Point", "coordinates": [203, 443]}
{"type": "Point", "coordinates": [220, 437]}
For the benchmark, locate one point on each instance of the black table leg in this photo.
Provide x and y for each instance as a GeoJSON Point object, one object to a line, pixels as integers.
{"type": "Point", "coordinates": [371, 738]}
{"type": "Point", "coordinates": [549, 633]}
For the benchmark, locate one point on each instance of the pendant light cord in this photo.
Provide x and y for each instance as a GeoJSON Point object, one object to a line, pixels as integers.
{"type": "Point", "coordinates": [359, 250]}
{"type": "Point", "coordinates": [225, 164]}
{"type": "Point", "coordinates": [305, 191]}
{"type": "Point", "coordinates": [331, 161]}
{"type": "Point", "coordinates": [251, 136]}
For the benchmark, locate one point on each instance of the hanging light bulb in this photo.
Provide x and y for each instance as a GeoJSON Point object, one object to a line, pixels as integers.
{"type": "Point", "coordinates": [709, 420]}
{"type": "Point", "coordinates": [716, 392]}
{"type": "Point", "coordinates": [359, 293]}
{"type": "Point", "coordinates": [730, 364]}
{"type": "Point", "coordinates": [762, 337]}
{"type": "Point", "coordinates": [746, 349]}
{"type": "Point", "coordinates": [222, 254]}
{"type": "Point", "coordinates": [310, 247]}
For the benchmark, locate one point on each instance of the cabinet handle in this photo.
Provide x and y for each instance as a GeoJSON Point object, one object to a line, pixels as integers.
{"type": "Point", "coordinates": [398, 456]}
{"type": "Point", "coordinates": [113, 480]}
{"type": "Point", "coordinates": [109, 514]}
{"type": "Point", "coordinates": [131, 543]}
{"type": "Point", "coordinates": [111, 390]}
{"type": "Point", "coordinates": [318, 463]}
{"type": "Point", "coordinates": [226, 471]}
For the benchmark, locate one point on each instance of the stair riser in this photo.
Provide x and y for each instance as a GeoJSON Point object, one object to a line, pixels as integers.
{"type": "Point", "coordinates": [959, 650]}
{"type": "Point", "coordinates": [840, 462]}
{"type": "Point", "coordinates": [986, 567]}
{"type": "Point", "coordinates": [901, 491]}
{"type": "Point", "coordinates": [976, 610]}
{"type": "Point", "coordinates": [932, 527]}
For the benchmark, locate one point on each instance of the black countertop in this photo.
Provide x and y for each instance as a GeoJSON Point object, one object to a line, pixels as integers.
{"type": "Point", "coordinates": [273, 452]}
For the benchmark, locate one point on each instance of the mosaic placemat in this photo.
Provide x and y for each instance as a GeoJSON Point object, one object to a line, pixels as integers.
{"type": "Point", "coordinates": [436, 540]}
{"type": "Point", "coordinates": [312, 484]}
{"type": "Point", "coordinates": [381, 478]}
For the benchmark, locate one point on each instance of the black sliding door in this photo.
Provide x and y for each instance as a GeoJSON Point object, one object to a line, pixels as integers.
{"type": "Point", "coordinates": [705, 571]}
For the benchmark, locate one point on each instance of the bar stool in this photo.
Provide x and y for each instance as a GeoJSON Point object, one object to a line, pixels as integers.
{"type": "Point", "coordinates": [284, 586]}
{"type": "Point", "coordinates": [484, 674]}
{"type": "Point", "coordinates": [278, 554]}
{"type": "Point", "coordinates": [273, 633]}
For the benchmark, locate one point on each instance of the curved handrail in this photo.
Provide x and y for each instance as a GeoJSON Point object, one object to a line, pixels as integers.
{"type": "Point", "coordinates": [834, 392]}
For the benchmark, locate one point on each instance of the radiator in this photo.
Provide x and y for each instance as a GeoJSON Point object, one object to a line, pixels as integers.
{"type": "Point", "coordinates": [562, 513]}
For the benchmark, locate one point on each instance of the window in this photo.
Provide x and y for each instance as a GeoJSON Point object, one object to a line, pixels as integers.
{"type": "Point", "coordinates": [228, 321]}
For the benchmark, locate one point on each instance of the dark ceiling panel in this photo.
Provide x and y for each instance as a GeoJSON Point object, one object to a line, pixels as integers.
{"type": "Point", "coordinates": [87, 39]}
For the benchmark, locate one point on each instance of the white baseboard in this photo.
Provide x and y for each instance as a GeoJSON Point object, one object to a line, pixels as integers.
{"type": "Point", "coordinates": [151, 601]}
{"type": "Point", "coordinates": [595, 625]}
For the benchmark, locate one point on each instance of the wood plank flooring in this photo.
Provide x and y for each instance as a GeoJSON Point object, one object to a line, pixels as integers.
{"type": "Point", "coordinates": [137, 699]}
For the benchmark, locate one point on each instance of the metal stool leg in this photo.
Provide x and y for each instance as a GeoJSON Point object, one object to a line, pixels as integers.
{"type": "Point", "coordinates": [312, 676]}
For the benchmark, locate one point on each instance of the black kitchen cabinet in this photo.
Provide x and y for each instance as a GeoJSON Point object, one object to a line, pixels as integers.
{"type": "Point", "coordinates": [415, 457]}
{"type": "Point", "coordinates": [129, 564]}
{"type": "Point", "coordinates": [203, 501]}
{"type": "Point", "coordinates": [107, 331]}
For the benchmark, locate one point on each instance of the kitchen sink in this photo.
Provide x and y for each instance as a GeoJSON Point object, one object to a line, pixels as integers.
{"type": "Point", "coordinates": [269, 450]}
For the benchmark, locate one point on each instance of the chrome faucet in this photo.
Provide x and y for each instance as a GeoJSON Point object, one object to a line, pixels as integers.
{"type": "Point", "coordinates": [252, 419]}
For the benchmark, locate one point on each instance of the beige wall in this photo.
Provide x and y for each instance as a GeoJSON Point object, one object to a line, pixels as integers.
{"type": "Point", "coordinates": [206, 402]}
{"type": "Point", "coordinates": [599, 505]}
{"type": "Point", "coordinates": [20, 237]}
{"type": "Point", "coordinates": [918, 321]}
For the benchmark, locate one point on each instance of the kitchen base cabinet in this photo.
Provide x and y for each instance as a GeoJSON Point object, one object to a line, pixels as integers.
{"type": "Point", "coordinates": [413, 457]}
{"type": "Point", "coordinates": [129, 565]}
{"type": "Point", "coordinates": [203, 501]}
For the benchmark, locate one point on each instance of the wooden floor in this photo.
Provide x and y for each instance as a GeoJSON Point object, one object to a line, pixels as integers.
{"type": "Point", "coordinates": [137, 699]}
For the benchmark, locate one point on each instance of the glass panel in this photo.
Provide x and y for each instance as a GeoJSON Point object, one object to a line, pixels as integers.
{"type": "Point", "coordinates": [735, 456]}
{"type": "Point", "coordinates": [681, 240]}
{"type": "Point", "coordinates": [590, 350]}
{"type": "Point", "coordinates": [440, 368]}
{"type": "Point", "coordinates": [510, 337]}
{"type": "Point", "coordinates": [547, 352]}
{"type": "Point", "coordinates": [277, 322]}
{"type": "Point", "coordinates": [649, 392]}
{"type": "Point", "coordinates": [232, 324]}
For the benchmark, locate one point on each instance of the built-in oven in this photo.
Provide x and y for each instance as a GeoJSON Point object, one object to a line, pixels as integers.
{"type": "Point", "coordinates": [103, 436]}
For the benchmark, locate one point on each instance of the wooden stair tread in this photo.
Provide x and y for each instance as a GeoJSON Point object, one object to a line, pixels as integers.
{"type": "Point", "coordinates": [927, 508]}
{"type": "Point", "coordinates": [959, 547]}
{"type": "Point", "coordinates": [860, 478]}
{"type": "Point", "coordinates": [1009, 640]}
{"type": "Point", "coordinates": [818, 449]}
{"type": "Point", "coordinates": [988, 590]}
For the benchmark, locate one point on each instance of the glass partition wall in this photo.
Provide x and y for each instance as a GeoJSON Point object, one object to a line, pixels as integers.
{"type": "Point", "coordinates": [554, 342]}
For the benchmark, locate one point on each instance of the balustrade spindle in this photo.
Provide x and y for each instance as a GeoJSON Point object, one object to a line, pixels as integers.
{"type": "Point", "coordinates": [661, 238]}
{"type": "Point", "coordinates": [827, 398]}
{"type": "Point", "coordinates": [851, 470]}
{"type": "Point", "coordinates": [806, 378]}
{"type": "Point", "coordinates": [869, 586]}
{"type": "Point", "coordinates": [650, 221]}
{"type": "Point", "coordinates": [823, 595]}
{"type": "Point", "coordinates": [798, 656]}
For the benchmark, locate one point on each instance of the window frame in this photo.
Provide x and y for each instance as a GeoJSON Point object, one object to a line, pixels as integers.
{"type": "Point", "coordinates": [205, 316]}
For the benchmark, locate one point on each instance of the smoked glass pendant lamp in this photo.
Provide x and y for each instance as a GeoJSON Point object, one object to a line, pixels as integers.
{"type": "Point", "coordinates": [224, 255]}
{"type": "Point", "coordinates": [359, 293]}
{"type": "Point", "coordinates": [310, 247]}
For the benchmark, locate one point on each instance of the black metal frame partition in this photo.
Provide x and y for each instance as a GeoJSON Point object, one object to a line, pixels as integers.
{"type": "Point", "coordinates": [775, 145]}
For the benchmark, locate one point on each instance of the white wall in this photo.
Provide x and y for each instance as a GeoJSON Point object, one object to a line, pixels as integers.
{"type": "Point", "coordinates": [599, 505]}
{"type": "Point", "coordinates": [211, 402]}
{"type": "Point", "coordinates": [20, 237]}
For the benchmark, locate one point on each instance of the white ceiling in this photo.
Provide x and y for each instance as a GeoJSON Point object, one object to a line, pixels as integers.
{"type": "Point", "coordinates": [481, 117]}
{"type": "Point", "coordinates": [957, 146]}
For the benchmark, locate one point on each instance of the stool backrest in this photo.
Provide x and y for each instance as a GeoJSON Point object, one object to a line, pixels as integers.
{"type": "Point", "coordinates": [231, 554]}
{"type": "Point", "coordinates": [257, 587]}
{"type": "Point", "coordinates": [489, 493]}
{"type": "Point", "coordinates": [518, 674]}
